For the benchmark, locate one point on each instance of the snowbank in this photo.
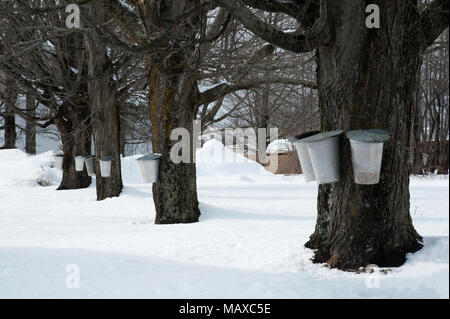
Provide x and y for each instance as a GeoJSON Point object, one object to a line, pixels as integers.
{"type": "Point", "coordinates": [32, 168]}
{"type": "Point", "coordinates": [280, 146]}
{"type": "Point", "coordinates": [214, 159]}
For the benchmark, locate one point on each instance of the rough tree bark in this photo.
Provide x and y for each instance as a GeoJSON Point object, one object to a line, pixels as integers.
{"type": "Point", "coordinates": [367, 79]}
{"type": "Point", "coordinates": [30, 126]}
{"type": "Point", "coordinates": [105, 115]}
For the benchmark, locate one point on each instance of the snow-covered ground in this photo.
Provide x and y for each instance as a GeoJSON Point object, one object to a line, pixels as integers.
{"type": "Point", "coordinates": [248, 243]}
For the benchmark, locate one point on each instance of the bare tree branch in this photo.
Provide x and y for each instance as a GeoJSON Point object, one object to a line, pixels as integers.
{"type": "Point", "coordinates": [289, 41]}
{"type": "Point", "coordinates": [434, 20]}
{"type": "Point", "coordinates": [224, 89]}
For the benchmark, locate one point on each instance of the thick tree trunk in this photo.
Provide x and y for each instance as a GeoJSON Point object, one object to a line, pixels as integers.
{"type": "Point", "coordinates": [10, 134]}
{"type": "Point", "coordinates": [76, 140]}
{"type": "Point", "coordinates": [172, 105]}
{"type": "Point", "coordinates": [30, 127]}
{"type": "Point", "coordinates": [367, 79]}
{"type": "Point", "coordinates": [105, 117]}
{"type": "Point", "coordinates": [173, 99]}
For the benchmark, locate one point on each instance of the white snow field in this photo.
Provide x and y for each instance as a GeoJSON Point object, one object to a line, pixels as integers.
{"type": "Point", "coordinates": [248, 243]}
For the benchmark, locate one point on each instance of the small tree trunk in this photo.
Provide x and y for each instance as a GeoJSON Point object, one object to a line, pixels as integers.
{"type": "Point", "coordinates": [10, 134]}
{"type": "Point", "coordinates": [105, 115]}
{"type": "Point", "coordinates": [30, 127]}
{"type": "Point", "coordinates": [367, 80]}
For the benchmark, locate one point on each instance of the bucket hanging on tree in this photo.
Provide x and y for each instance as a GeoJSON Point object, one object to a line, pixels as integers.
{"type": "Point", "coordinates": [303, 155]}
{"type": "Point", "coordinates": [105, 166]}
{"type": "Point", "coordinates": [367, 154]}
{"type": "Point", "coordinates": [324, 152]}
{"type": "Point", "coordinates": [425, 158]}
{"type": "Point", "coordinates": [90, 165]}
{"type": "Point", "coordinates": [149, 166]}
{"type": "Point", "coordinates": [59, 161]}
{"type": "Point", "coordinates": [79, 163]}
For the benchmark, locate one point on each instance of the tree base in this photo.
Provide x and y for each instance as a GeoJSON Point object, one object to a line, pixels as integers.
{"type": "Point", "coordinates": [79, 183]}
{"type": "Point", "coordinates": [191, 218]}
{"type": "Point", "coordinates": [383, 257]}
{"type": "Point", "coordinates": [175, 194]}
{"type": "Point", "coordinates": [71, 178]}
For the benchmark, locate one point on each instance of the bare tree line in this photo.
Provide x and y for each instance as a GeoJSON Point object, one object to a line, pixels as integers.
{"type": "Point", "coordinates": [63, 74]}
{"type": "Point", "coordinates": [432, 118]}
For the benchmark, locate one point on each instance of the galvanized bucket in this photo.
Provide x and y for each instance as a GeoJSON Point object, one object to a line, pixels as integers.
{"type": "Point", "coordinates": [149, 165]}
{"type": "Point", "coordinates": [324, 152]}
{"type": "Point", "coordinates": [59, 161]}
{"type": "Point", "coordinates": [90, 165]}
{"type": "Point", "coordinates": [303, 155]}
{"type": "Point", "coordinates": [105, 166]}
{"type": "Point", "coordinates": [79, 163]}
{"type": "Point", "coordinates": [425, 158]}
{"type": "Point", "coordinates": [367, 154]}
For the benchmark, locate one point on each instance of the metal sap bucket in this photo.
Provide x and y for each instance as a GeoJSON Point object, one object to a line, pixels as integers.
{"type": "Point", "coordinates": [425, 158]}
{"type": "Point", "coordinates": [367, 154]}
{"type": "Point", "coordinates": [324, 152]}
{"type": "Point", "coordinates": [90, 165]}
{"type": "Point", "coordinates": [105, 166]}
{"type": "Point", "coordinates": [59, 161]}
{"type": "Point", "coordinates": [303, 155]}
{"type": "Point", "coordinates": [79, 163]}
{"type": "Point", "coordinates": [149, 165]}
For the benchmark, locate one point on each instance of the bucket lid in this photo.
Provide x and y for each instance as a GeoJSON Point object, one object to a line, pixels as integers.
{"type": "Point", "coordinates": [368, 136]}
{"type": "Point", "coordinates": [322, 136]}
{"type": "Point", "coordinates": [149, 157]}
{"type": "Point", "coordinates": [106, 159]}
{"type": "Point", "coordinates": [297, 138]}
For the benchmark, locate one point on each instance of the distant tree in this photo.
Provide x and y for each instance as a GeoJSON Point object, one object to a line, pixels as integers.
{"type": "Point", "coordinates": [8, 98]}
{"type": "Point", "coordinates": [30, 126]}
{"type": "Point", "coordinates": [46, 60]}
{"type": "Point", "coordinates": [431, 130]}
